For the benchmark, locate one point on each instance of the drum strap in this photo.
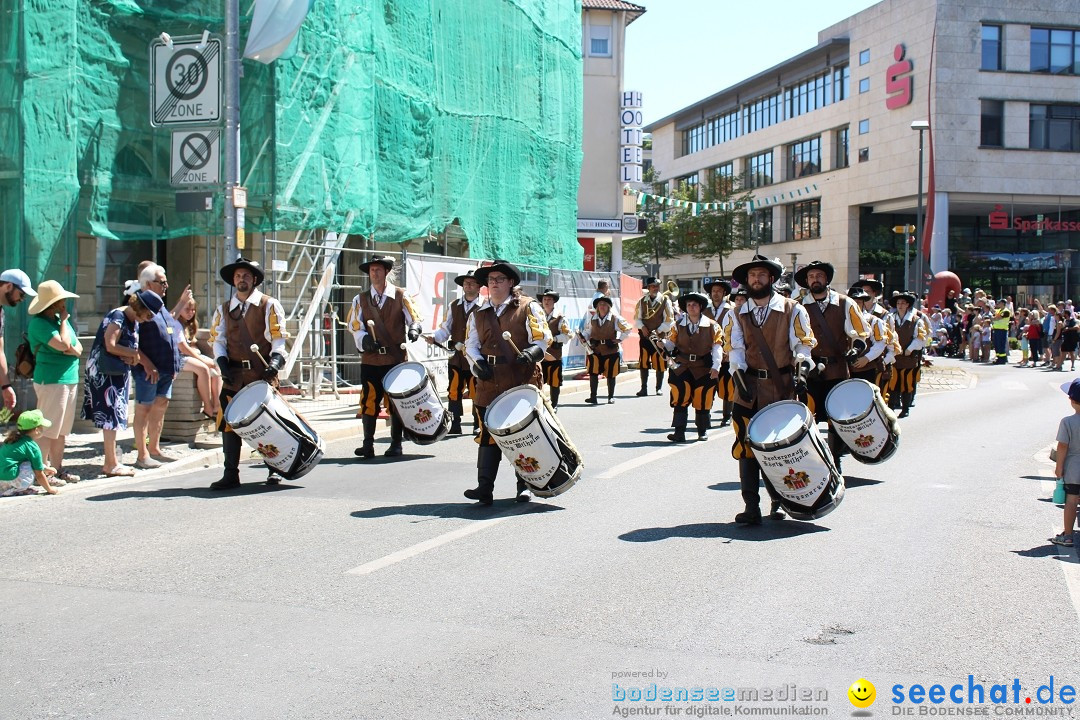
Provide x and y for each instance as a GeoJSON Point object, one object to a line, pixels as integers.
{"type": "Point", "coordinates": [766, 352]}
{"type": "Point", "coordinates": [496, 329]}
{"type": "Point", "coordinates": [826, 331]}
{"type": "Point", "coordinates": [380, 326]}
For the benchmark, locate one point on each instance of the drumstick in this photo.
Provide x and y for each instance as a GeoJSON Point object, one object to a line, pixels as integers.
{"type": "Point", "coordinates": [436, 343]}
{"type": "Point", "coordinates": [506, 336]}
{"type": "Point", "coordinates": [371, 330]}
{"type": "Point", "coordinates": [460, 347]}
{"type": "Point", "coordinates": [255, 349]}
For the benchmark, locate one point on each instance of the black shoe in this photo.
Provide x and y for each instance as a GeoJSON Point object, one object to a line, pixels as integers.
{"type": "Point", "coordinates": [455, 429]}
{"type": "Point", "coordinates": [903, 413]}
{"type": "Point", "coordinates": [725, 421]}
{"type": "Point", "coordinates": [677, 437]}
{"type": "Point", "coordinates": [776, 510]}
{"type": "Point", "coordinates": [703, 435]}
{"type": "Point", "coordinates": [749, 517]}
{"type": "Point", "coordinates": [364, 451]}
{"type": "Point", "coordinates": [659, 390]}
{"type": "Point", "coordinates": [590, 401]}
{"type": "Point", "coordinates": [225, 484]}
{"type": "Point", "coordinates": [480, 496]}
{"type": "Point", "coordinates": [393, 451]}
{"type": "Point", "coordinates": [523, 494]}
{"type": "Point", "coordinates": [642, 392]}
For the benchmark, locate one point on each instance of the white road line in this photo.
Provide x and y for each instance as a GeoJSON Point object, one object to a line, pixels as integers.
{"type": "Point", "coordinates": [653, 456]}
{"type": "Point", "coordinates": [437, 541]}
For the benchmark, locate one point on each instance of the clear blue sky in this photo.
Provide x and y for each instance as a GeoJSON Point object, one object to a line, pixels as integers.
{"type": "Point", "coordinates": [681, 51]}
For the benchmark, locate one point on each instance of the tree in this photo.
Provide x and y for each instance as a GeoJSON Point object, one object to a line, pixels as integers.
{"type": "Point", "coordinates": [719, 232]}
{"type": "Point", "coordinates": [659, 241]}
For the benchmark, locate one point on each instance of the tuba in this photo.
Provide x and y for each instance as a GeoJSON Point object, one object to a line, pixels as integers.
{"type": "Point", "coordinates": [672, 290]}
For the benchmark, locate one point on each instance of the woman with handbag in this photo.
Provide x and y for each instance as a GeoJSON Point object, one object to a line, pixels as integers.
{"type": "Point", "coordinates": [108, 369]}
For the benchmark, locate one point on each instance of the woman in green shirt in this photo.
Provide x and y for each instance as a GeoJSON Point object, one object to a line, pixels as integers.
{"type": "Point", "coordinates": [56, 349]}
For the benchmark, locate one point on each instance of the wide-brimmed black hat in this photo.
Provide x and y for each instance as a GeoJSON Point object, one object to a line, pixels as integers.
{"type": "Point", "coordinates": [774, 266]}
{"type": "Point", "coordinates": [386, 261]}
{"type": "Point", "coordinates": [701, 300]}
{"type": "Point", "coordinates": [741, 291]}
{"type": "Point", "coordinates": [229, 270]}
{"type": "Point", "coordinates": [651, 281]}
{"type": "Point", "coordinates": [857, 293]}
{"type": "Point", "coordinates": [827, 268]}
{"type": "Point", "coordinates": [718, 281]}
{"type": "Point", "coordinates": [460, 279]}
{"type": "Point", "coordinates": [502, 266]}
{"type": "Point", "coordinates": [902, 295]}
{"type": "Point", "coordinates": [875, 285]}
{"type": "Point", "coordinates": [603, 298]}
{"type": "Point", "coordinates": [551, 294]}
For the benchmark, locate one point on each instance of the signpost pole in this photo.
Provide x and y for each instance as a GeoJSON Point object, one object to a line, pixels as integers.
{"type": "Point", "coordinates": [232, 127]}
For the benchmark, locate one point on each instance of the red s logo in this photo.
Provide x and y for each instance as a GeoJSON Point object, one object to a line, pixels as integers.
{"type": "Point", "coordinates": [899, 90]}
{"type": "Point", "coordinates": [999, 219]}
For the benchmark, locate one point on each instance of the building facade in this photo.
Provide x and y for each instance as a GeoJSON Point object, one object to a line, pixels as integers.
{"type": "Point", "coordinates": [829, 142]}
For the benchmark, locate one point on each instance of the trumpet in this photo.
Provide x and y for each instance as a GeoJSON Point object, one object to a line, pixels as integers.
{"type": "Point", "coordinates": [672, 289]}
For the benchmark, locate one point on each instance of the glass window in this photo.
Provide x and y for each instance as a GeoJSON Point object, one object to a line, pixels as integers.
{"type": "Point", "coordinates": [864, 85]}
{"type": "Point", "coordinates": [864, 154]}
{"type": "Point", "coordinates": [763, 113]}
{"type": "Point", "coordinates": [804, 158]}
{"type": "Point", "coordinates": [991, 47]}
{"type": "Point", "coordinates": [694, 139]}
{"type": "Point", "coordinates": [864, 57]}
{"type": "Point", "coordinates": [992, 120]}
{"type": "Point", "coordinates": [761, 226]}
{"type": "Point", "coordinates": [1040, 50]}
{"type": "Point", "coordinates": [1055, 127]}
{"type": "Point", "coordinates": [687, 181]}
{"type": "Point", "coordinates": [1055, 51]}
{"type": "Point", "coordinates": [804, 220]}
{"type": "Point", "coordinates": [842, 148]}
{"type": "Point", "coordinates": [759, 170]}
{"type": "Point", "coordinates": [600, 40]}
{"type": "Point", "coordinates": [723, 179]}
{"type": "Point", "coordinates": [864, 127]}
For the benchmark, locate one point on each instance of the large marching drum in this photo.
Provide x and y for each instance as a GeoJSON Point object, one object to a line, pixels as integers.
{"type": "Point", "coordinates": [530, 436]}
{"type": "Point", "coordinates": [416, 403]}
{"type": "Point", "coordinates": [795, 461]}
{"type": "Point", "coordinates": [859, 415]}
{"type": "Point", "coordinates": [262, 418]}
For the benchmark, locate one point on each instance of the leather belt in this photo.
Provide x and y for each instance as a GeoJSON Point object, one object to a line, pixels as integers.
{"type": "Point", "coordinates": [765, 374]}
{"type": "Point", "coordinates": [495, 360]}
{"type": "Point", "coordinates": [246, 364]}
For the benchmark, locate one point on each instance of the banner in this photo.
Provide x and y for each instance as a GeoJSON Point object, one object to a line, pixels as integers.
{"type": "Point", "coordinates": [630, 291]}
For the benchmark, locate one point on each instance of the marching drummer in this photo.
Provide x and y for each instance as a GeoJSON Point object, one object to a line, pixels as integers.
{"type": "Point", "coordinates": [500, 362]}
{"type": "Point", "coordinates": [696, 343]}
{"type": "Point", "coordinates": [873, 305]}
{"type": "Point", "coordinates": [653, 317]}
{"type": "Point", "coordinates": [560, 333]}
{"type": "Point", "coordinates": [453, 330]}
{"type": "Point", "coordinates": [877, 340]}
{"type": "Point", "coordinates": [911, 336]}
{"type": "Point", "coordinates": [770, 342]}
{"type": "Point", "coordinates": [720, 310]}
{"type": "Point", "coordinates": [380, 321]}
{"type": "Point", "coordinates": [250, 318]}
{"type": "Point", "coordinates": [838, 326]}
{"type": "Point", "coordinates": [603, 330]}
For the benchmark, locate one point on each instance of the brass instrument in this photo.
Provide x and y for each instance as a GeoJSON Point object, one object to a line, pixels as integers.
{"type": "Point", "coordinates": [672, 290]}
{"type": "Point", "coordinates": [658, 343]}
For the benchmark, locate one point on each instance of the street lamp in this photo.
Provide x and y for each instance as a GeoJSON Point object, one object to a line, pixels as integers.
{"type": "Point", "coordinates": [919, 125]}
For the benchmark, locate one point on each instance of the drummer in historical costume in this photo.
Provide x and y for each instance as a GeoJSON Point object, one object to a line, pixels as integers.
{"type": "Point", "coordinates": [450, 334]}
{"type": "Point", "coordinates": [722, 311]}
{"type": "Point", "coordinates": [911, 336]}
{"type": "Point", "coordinates": [380, 320]}
{"type": "Point", "coordinates": [560, 334]}
{"type": "Point", "coordinates": [653, 317]}
{"type": "Point", "coordinates": [501, 364]}
{"type": "Point", "coordinates": [870, 363]}
{"type": "Point", "coordinates": [248, 318]}
{"type": "Point", "coordinates": [770, 342]}
{"type": "Point", "coordinates": [603, 330]}
{"type": "Point", "coordinates": [840, 331]}
{"type": "Point", "coordinates": [873, 306]}
{"type": "Point", "coordinates": [696, 345]}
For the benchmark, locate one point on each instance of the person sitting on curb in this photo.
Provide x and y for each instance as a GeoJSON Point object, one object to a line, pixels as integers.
{"type": "Point", "coordinates": [21, 462]}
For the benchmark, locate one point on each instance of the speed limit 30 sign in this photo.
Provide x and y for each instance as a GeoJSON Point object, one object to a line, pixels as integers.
{"type": "Point", "coordinates": [185, 82]}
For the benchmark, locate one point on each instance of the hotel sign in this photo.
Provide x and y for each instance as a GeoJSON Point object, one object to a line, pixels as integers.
{"type": "Point", "coordinates": [630, 137]}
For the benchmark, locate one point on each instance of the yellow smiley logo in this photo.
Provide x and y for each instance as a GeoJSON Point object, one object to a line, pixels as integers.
{"type": "Point", "coordinates": [861, 693]}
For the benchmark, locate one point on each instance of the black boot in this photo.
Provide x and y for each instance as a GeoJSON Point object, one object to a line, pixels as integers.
{"type": "Point", "coordinates": [455, 417]}
{"type": "Point", "coordinates": [644, 382]}
{"type": "Point", "coordinates": [487, 467]}
{"type": "Point", "coordinates": [367, 450]}
{"type": "Point", "coordinates": [594, 382]}
{"type": "Point", "coordinates": [726, 419]}
{"type": "Point", "coordinates": [523, 494]}
{"type": "Point", "coordinates": [610, 391]}
{"type": "Point", "coordinates": [230, 447]}
{"type": "Point", "coordinates": [659, 382]}
{"type": "Point", "coordinates": [750, 483]}
{"type": "Point", "coordinates": [475, 420]}
{"type": "Point", "coordinates": [837, 447]}
{"type": "Point", "coordinates": [396, 429]}
{"type": "Point", "coordinates": [701, 419]}
{"type": "Point", "coordinates": [679, 423]}
{"type": "Point", "coordinates": [554, 397]}
{"type": "Point", "coordinates": [905, 404]}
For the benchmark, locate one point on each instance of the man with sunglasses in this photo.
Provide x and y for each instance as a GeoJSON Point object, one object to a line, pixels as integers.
{"type": "Point", "coordinates": [14, 287]}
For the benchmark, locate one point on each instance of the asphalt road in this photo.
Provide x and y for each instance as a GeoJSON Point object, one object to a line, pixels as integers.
{"type": "Point", "coordinates": [375, 590]}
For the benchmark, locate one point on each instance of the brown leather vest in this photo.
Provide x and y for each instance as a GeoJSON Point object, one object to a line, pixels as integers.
{"type": "Point", "coordinates": [775, 330]}
{"type": "Point", "coordinates": [553, 325]}
{"type": "Point", "coordinates": [238, 346]}
{"type": "Point", "coordinates": [906, 333]}
{"type": "Point", "coordinates": [836, 367]}
{"type": "Point", "coordinates": [645, 307]}
{"type": "Point", "coordinates": [507, 373]}
{"type": "Point", "coordinates": [607, 331]}
{"type": "Point", "coordinates": [698, 345]}
{"type": "Point", "coordinates": [393, 320]}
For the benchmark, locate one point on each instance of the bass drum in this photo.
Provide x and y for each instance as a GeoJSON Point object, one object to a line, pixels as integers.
{"type": "Point", "coordinates": [416, 403]}
{"type": "Point", "coordinates": [859, 415]}
{"type": "Point", "coordinates": [795, 462]}
{"type": "Point", "coordinates": [269, 426]}
{"type": "Point", "coordinates": [531, 437]}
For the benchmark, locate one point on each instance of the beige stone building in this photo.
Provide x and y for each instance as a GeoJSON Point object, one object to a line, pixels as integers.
{"type": "Point", "coordinates": [826, 141]}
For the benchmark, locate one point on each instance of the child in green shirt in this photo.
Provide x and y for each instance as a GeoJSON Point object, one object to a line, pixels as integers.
{"type": "Point", "coordinates": [21, 463]}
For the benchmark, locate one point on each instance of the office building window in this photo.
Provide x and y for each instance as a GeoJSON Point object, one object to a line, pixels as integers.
{"type": "Point", "coordinates": [1055, 51]}
{"type": "Point", "coordinates": [842, 148]}
{"type": "Point", "coordinates": [991, 47]}
{"type": "Point", "coordinates": [841, 83]}
{"type": "Point", "coordinates": [864, 57]}
{"type": "Point", "coordinates": [864, 85]}
{"type": "Point", "coordinates": [759, 171]}
{"type": "Point", "coordinates": [687, 182]}
{"type": "Point", "coordinates": [993, 112]}
{"type": "Point", "coordinates": [763, 113]}
{"type": "Point", "coordinates": [1055, 127]}
{"type": "Point", "coordinates": [600, 40]}
{"type": "Point", "coordinates": [723, 179]}
{"type": "Point", "coordinates": [694, 139]}
{"type": "Point", "coordinates": [804, 158]}
{"type": "Point", "coordinates": [864, 154]}
{"type": "Point", "coordinates": [761, 226]}
{"type": "Point", "coordinates": [864, 127]}
{"type": "Point", "coordinates": [804, 220]}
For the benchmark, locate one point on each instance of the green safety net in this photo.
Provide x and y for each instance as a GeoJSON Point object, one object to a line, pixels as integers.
{"type": "Point", "coordinates": [394, 119]}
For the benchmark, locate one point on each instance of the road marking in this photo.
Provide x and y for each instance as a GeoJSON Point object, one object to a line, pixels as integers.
{"type": "Point", "coordinates": [1014, 385]}
{"type": "Point", "coordinates": [437, 541]}
{"type": "Point", "coordinates": [653, 456]}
